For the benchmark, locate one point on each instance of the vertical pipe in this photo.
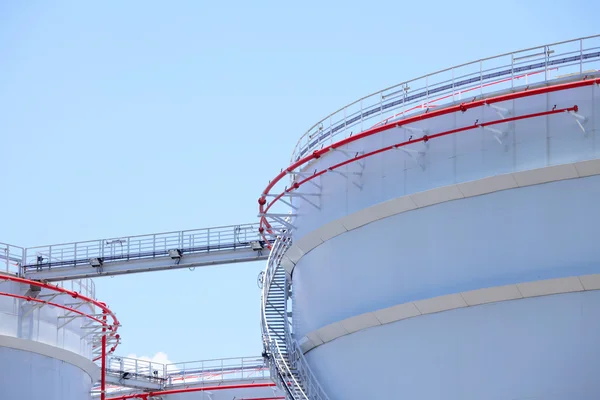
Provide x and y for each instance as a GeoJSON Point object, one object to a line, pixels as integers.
{"type": "Point", "coordinates": [103, 368]}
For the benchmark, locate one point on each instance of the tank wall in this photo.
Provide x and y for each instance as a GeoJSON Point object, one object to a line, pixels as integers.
{"type": "Point", "coordinates": [42, 324]}
{"type": "Point", "coordinates": [513, 236]}
{"type": "Point", "coordinates": [26, 375]}
{"type": "Point", "coordinates": [466, 156]}
{"type": "Point", "coordinates": [543, 348]}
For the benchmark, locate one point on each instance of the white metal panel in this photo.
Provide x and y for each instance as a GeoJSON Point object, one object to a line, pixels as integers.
{"type": "Point", "coordinates": [308, 242]}
{"type": "Point", "coordinates": [504, 237]}
{"type": "Point", "coordinates": [454, 301]}
{"type": "Point", "coordinates": [394, 206]}
{"type": "Point", "coordinates": [487, 185]}
{"type": "Point", "coordinates": [331, 331]}
{"type": "Point", "coordinates": [550, 286]}
{"type": "Point", "coordinates": [437, 195]}
{"type": "Point", "coordinates": [490, 295]}
{"type": "Point", "coordinates": [306, 344]}
{"type": "Point", "coordinates": [314, 338]}
{"type": "Point", "coordinates": [472, 352]}
{"type": "Point", "coordinates": [330, 230]}
{"type": "Point", "coordinates": [360, 218]}
{"type": "Point", "coordinates": [590, 282]}
{"type": "Point", "coordinates": [544, 175]}
{"type": "Point", "coordinates": [397, 313]}
{"type": "Point", "coordinates": [588, 168]}
{"type": "Point", "coordinates": [27, 375]}
{"type": "Point", "coordinates": [310, 341]}
{"type": "Point", "coordinates": [287, 264]}
{"type": "Point", "coordinates": [441, 303]}
{"type": "Point", "coordinates": [294, 253]}
{"type": "Point", "coordinates": [360, 322]}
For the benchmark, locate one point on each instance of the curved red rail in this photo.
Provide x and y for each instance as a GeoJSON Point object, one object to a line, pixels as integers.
{"type": "Point", "coordinates": [106, 327]}
{"type": "Point", "coordinates": [264, 207]}
{"type": "Point", "coordinates": [146, 395]}
{"type": "Point", "coordinates": [430, 104]}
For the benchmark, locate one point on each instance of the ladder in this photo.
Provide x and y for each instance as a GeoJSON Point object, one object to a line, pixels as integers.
{"type": "Point", "coordinates": [277, 325]}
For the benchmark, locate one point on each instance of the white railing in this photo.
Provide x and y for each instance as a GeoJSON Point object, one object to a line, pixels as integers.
{"type": "Point", "coordinates": [217, 370]}
{"type": "Point", "coordinates": [142, 246]}
{"type": "Point", "coordinates": [307, 386]}
{"type": "Point", "coordinates": [186, 373]}
{"type": "Point", "coordinates": [11, 261]}
{"type": "Point", "coordinates": [11, 258]}
{"type": "Point", "coordinates": [462, 82]}
{"type": "Point", "coordinates": [84, 286]}
{"type": "Point", "coordinates": [135, 368]}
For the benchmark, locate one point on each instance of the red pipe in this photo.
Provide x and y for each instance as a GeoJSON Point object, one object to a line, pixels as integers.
{"type": "Point", "coordinates": [422, 139]}
{"type": "Point", "coordinates": [50, 303]}
{"type": "Point", "coordinates": [106, 327]}
{"type": "Point", "coordinates": [452, 109]}
{"type": "Point", "coordinates": [190, 390]}
{"type": "Point", "coordinates": [71, 293]}
{"type": "Point", "coordinates": [429, 103]}
{"type": "Point", "coordinates": [103, 368]}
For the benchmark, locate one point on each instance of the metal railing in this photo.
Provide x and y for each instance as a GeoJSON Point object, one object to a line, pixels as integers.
{"type": "Point", "coordinates": [473, 79]}
{"type": "Point", "coordinates": [289, 366]}
{"type": "Point", "coordinates": [11, 258]}
{"type": "Point", "coordinates": [240, 368]}
{"type": "Point", "coordinates": [85, 286]}
{"type": "Point", "coordinates": [133, 368]}
{"type": "Point", "coordinates": [11, 261]}
{"type": "Point", "coordinates": [142, 246]}
{"type": "Point", "coordinates": [186, 373]}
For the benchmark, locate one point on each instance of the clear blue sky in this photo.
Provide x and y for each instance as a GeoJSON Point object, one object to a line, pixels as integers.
{"type": "Point", "coordinates": [121, 118]}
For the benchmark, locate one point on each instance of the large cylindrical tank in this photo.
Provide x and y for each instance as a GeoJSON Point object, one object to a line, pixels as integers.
{"type": "Point", "coordinates": [452, 252]}
{"type": "Point", "coordinates": [45, 351]}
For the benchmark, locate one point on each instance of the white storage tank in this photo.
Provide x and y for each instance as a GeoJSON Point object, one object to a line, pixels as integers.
{"type": "Point", "coordinates": [45, 348]}
{"type": "Point", "coordinates": [445, 234]}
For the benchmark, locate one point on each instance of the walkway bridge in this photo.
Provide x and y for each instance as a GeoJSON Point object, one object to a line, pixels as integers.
{"type": "Point", "coordinates": [126, 376]}
{"type": "Point", "coordinates": [135, 254]}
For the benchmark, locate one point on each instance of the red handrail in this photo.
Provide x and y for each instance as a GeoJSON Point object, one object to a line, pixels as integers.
{"type": "Point", "coordinates": [264, 207]}
{"type": "Point", "coordinates": [106, 327]}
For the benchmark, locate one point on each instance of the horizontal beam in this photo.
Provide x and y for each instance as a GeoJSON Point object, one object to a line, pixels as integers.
{"type": "Point", "coordinates": [160, 263]}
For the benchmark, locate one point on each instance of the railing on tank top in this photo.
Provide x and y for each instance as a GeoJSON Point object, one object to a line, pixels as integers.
{"type": "Point", "coordinates": [465, 81]}
{"type": "Point", "coordinates": [307, 387]}
{"type": "Point", "coordinates": [11, 261]}
{"type": "Point", "coordinates": [11, 258]}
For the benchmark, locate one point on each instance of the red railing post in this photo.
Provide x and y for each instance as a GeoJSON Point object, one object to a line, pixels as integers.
{"type": "Point", "coordinates": [103, 368]}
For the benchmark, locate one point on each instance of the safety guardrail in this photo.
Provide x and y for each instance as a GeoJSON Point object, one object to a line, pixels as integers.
{"type": "Point", "coordinates": [141, 246]}
{"type": "Point", "coordinates": [132, 370]}
{"type": "Point", "coordinates": [84, 286]}
{"type": "Point", "coordinates": [465, 81]}
{"type": "Point", "coordinates": [240, 368]}
{"type": "Point", "coordinates": [289, 366]}
{"type": "Point", "coordinates": [11, 261]}
{"type": "Point", "coordinates": [11, 258]}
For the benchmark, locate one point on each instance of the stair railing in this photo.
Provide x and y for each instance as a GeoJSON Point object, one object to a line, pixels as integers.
{"type": "Point", "coordinates": [306, 386]}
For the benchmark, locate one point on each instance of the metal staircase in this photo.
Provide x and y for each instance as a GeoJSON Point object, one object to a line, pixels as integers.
{"type": "Point", "coordinates": [288, 365]}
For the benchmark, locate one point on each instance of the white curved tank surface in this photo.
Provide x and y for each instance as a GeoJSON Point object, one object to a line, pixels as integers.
{"type": "Point", "coordinates": [445, 234]}
{"type": "Point", "coordinates": [46, 350]}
